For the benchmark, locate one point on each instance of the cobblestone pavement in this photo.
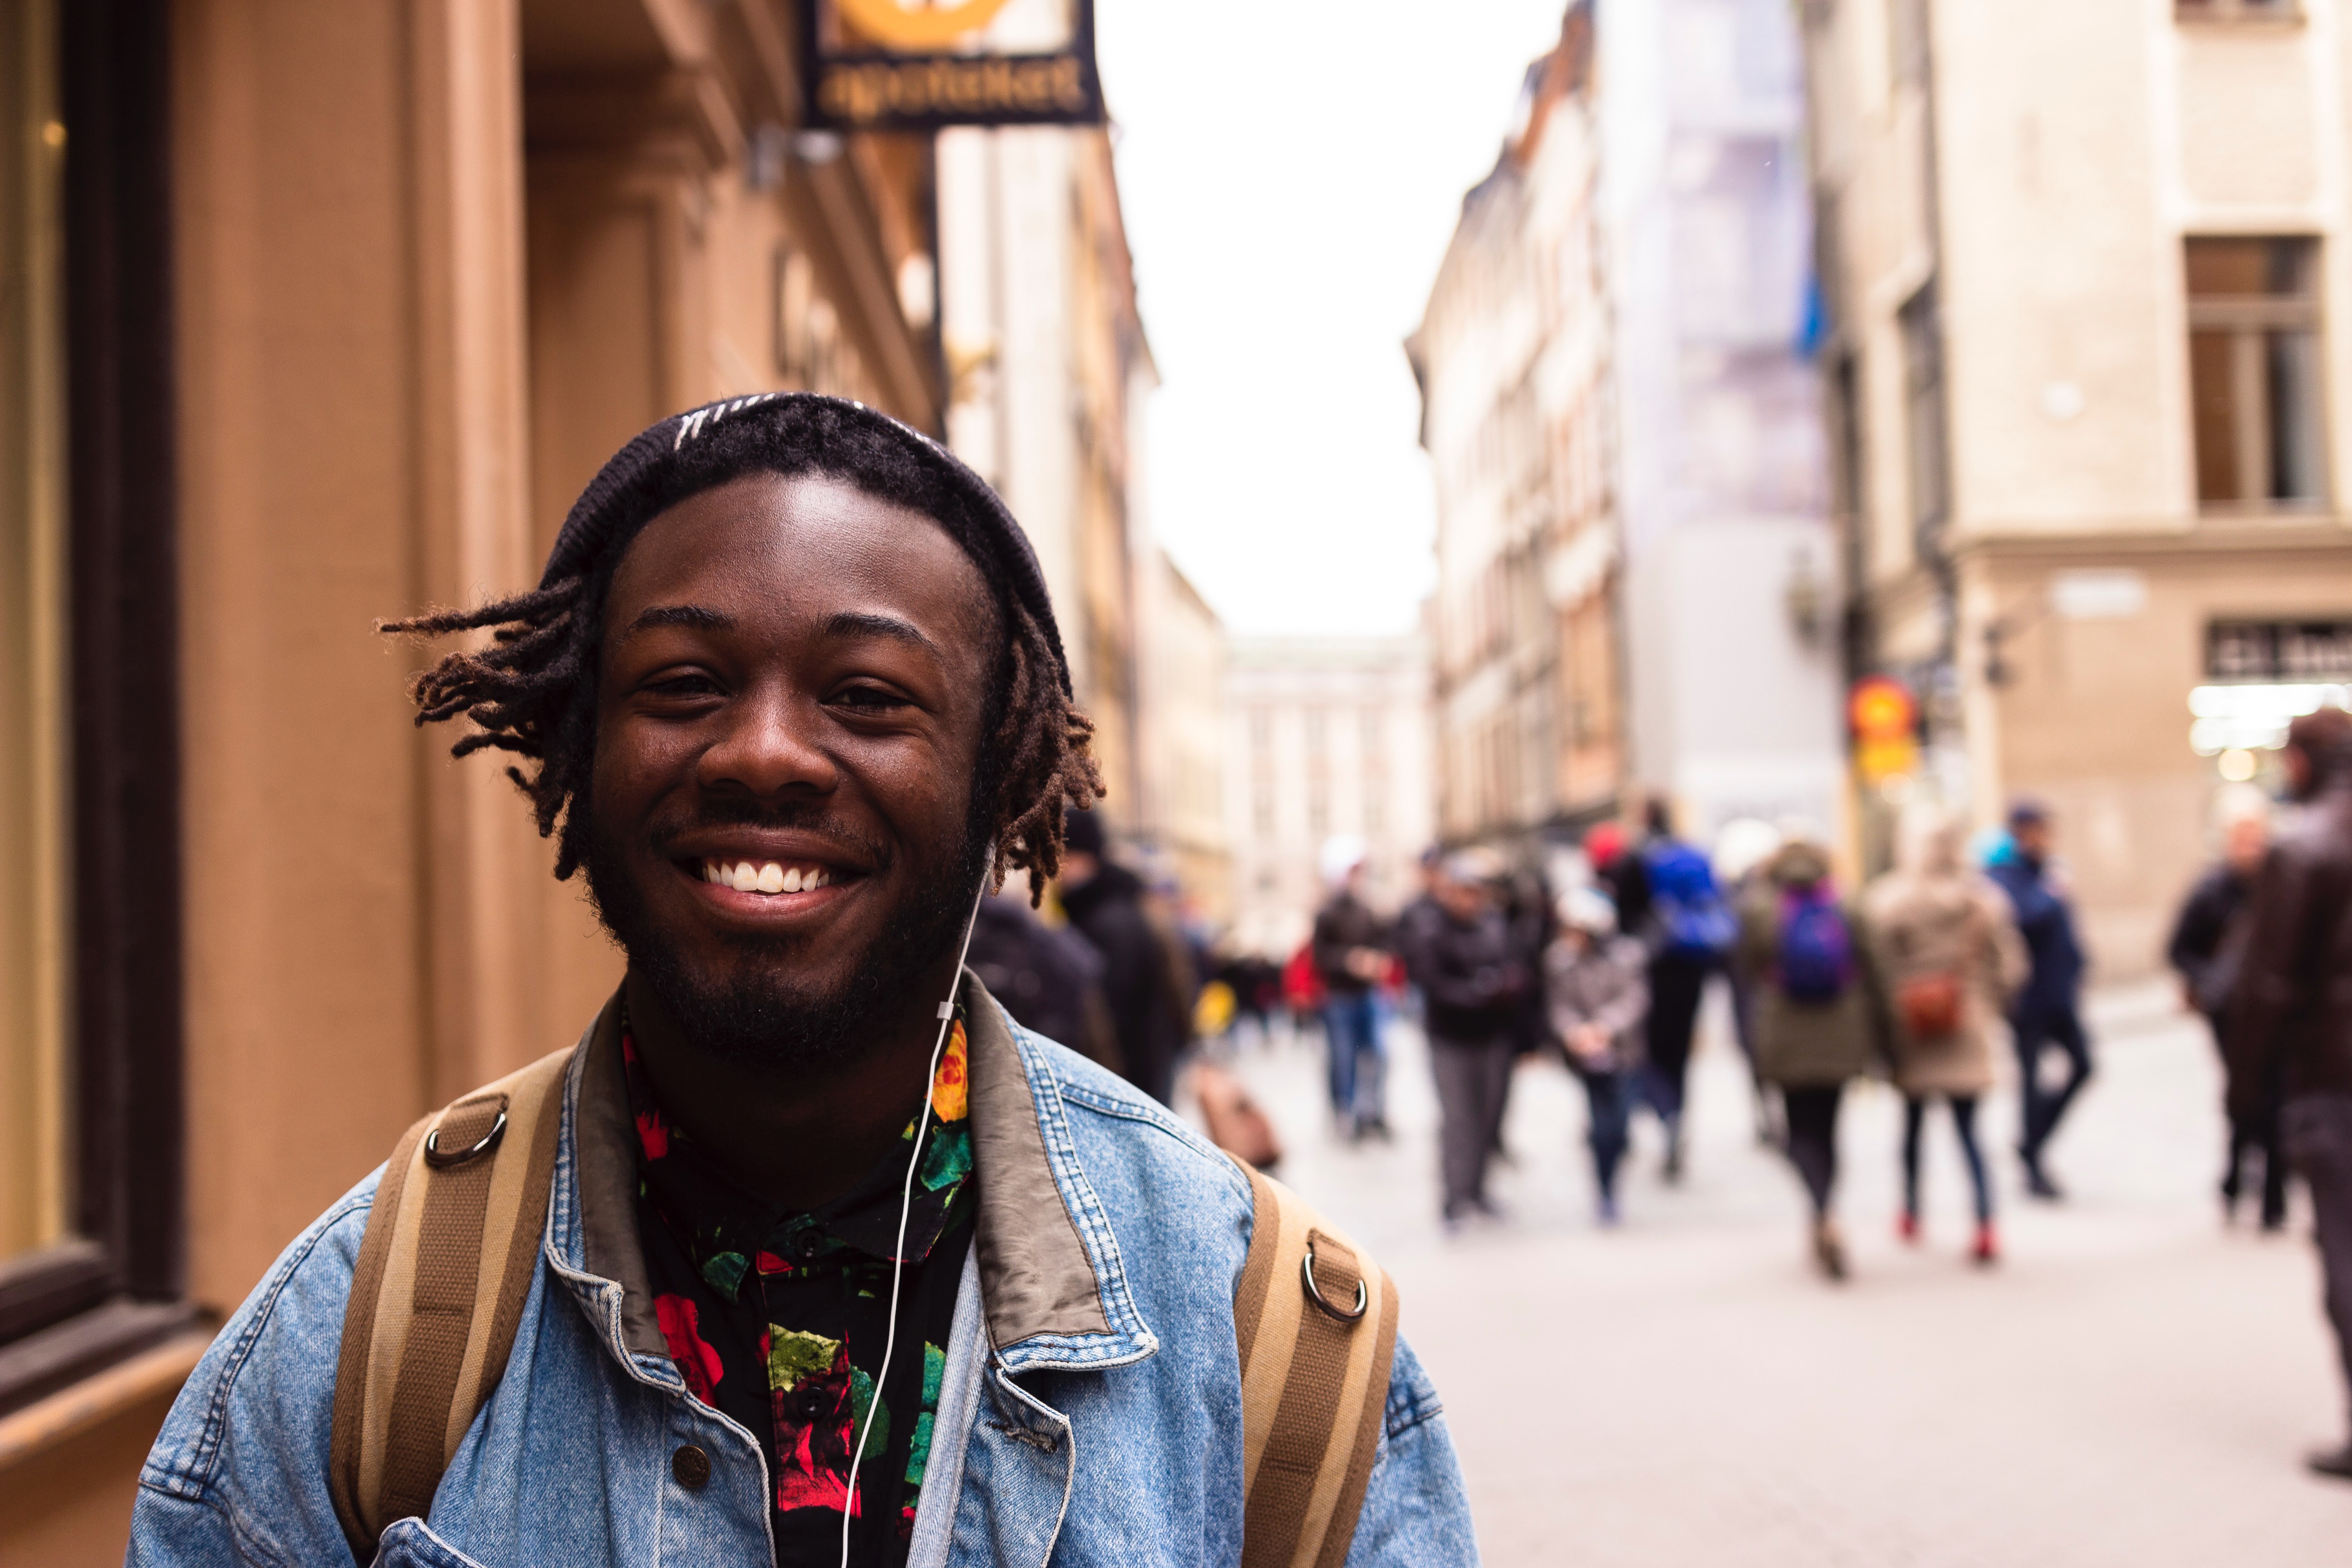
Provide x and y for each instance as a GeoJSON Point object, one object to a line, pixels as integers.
{"type": "Point", "coordinates": [2133, 1385]}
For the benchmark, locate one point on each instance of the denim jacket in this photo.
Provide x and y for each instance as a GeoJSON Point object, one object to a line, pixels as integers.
{"type": "Point", "coordinates": [1092, 1389]}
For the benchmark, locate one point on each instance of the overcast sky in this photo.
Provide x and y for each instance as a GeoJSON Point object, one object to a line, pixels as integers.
{"type": "Point", "coordinates": [1291, 172]}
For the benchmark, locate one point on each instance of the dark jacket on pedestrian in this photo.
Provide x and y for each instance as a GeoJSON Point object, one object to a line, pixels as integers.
{"type": "Point", "coordinates": [1143, 978]}
{"type": "Point", "coordinates": [1470, 983]}
{"type": "Point", "coordinates": [1345, 923]}
{"type": "Point", "coordinates": [1604, 983]}
{"type": "Point", "coordinates": [2201, 949]}
{"type": "Point", "coordinates": [2293, 1001]}
{"type": "Point", "coordinates": [2047, 923]}
{"type": "Point", "coordinates": [1803, 1043]}
{"type": "Point", "coordinates": [1050, 981]}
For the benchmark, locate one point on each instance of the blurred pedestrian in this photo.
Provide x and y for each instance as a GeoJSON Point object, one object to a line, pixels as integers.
{"type": "Point", "coordinates": [2047, 1014]}
{"type": "Point", "coordinates": [1667, 895]}
{"type": "Point", "coordinates": [1050, 980]}
{"type": "Point", "coordinates": [1145, 981]}
{"type": "Point", "coordinates": [1950, 958]}
{"type": "Point", "coordinates": [1351, 948]}
{"type": "Point", "coordinates": [1741, 848]}
{"type": "Point", "coordinates": [2207, 948]}
{"type": "Point", "coordinates": [1597, 995]}
{"type": "Point", "coordinates": [2292, 1006]}
{"type": "Point", "coordinates": [1819, 1018]}
{"type": "Point", "coordinates": [1458, 949]}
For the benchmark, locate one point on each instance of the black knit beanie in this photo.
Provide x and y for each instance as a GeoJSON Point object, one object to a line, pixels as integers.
{"type": "Point", "coordinates": [795, 432]}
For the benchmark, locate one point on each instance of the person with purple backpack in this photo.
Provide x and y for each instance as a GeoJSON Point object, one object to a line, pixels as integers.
{"type": "Point", "coordinates": [1820, 1015]}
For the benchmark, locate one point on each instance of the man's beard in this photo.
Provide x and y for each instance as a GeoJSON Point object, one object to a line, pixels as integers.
{"type": "Point", "coordinates": [761, 1014]}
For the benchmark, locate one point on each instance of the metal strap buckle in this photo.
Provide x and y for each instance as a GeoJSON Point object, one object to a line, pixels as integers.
{"type": "Point", "coordinates": [439, 1160]}
{"type": "Point", "coordinates": [1315, 1294]}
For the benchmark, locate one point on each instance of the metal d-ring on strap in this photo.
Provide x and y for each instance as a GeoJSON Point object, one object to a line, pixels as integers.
{"type": "Point", "coordinates": [439, 1160]}
{"type": "Point", "coordinates": [1315, 1294]}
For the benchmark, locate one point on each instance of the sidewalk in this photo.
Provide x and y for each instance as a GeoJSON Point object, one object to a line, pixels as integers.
{"type": "Point", "coordinates": [2132, 1386]}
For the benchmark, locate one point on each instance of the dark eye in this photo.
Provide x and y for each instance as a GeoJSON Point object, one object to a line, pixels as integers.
{"type": "Point", "coordinates": [869, 699]}
{"type": "Point", "coordinates": [689, 683]}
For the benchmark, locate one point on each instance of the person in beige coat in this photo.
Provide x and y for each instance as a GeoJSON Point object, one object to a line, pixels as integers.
{"type": "Point", "coordinates": [1949, 948]}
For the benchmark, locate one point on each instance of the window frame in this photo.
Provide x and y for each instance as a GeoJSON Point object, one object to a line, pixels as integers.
{"type": "Point", "coordinates": [117, 1286]}
{"type": "Point", "coordinates": [2239, 12]}
{"type": "Point", "coordinates": [2246, 318]}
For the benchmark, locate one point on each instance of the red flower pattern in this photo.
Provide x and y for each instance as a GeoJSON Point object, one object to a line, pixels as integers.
{"type": "Point", "coordinates": [681, 1331]}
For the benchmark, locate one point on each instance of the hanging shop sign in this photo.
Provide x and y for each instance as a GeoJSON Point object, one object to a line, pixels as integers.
{"type": "Point", "coordinates": [903, 65]}
{"type": "Point", "coordinates": [1885, 723]}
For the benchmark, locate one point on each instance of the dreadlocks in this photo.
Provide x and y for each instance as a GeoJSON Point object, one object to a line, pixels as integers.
{"type": "Point", "coordinates": [531, 689]}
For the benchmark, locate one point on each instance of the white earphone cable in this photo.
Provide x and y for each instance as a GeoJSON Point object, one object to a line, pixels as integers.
{"type": "Point", "coordinates": [906, 1204]}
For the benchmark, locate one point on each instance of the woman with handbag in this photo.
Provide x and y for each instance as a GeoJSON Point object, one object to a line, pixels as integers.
{"type": "Point", "coordinates": [1949, 949]}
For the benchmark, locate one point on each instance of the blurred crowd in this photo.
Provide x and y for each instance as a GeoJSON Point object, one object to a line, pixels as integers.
{"type": "Point", "coordinates": [1920, 977]}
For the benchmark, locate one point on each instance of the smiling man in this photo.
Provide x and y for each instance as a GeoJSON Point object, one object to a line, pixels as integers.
{"type": "Point", "coordinates": [805, 1253]}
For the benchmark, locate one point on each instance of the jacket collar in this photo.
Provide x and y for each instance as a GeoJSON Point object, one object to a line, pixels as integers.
{"type": "Point", "coordinates": [1053, 1281]}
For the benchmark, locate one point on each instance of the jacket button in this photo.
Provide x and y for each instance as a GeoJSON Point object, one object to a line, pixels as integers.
{"type": "Point", "coordinates": [690, 1467]}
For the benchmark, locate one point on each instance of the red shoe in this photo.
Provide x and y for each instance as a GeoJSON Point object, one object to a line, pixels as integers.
{"type": "Point", "coordinates": [1906, 1228]}
{"type": "Point", "coordinates": [1987, 1247]}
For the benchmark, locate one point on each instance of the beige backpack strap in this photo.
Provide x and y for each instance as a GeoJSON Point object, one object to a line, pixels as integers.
{"type": "Point", "coordinates": [1316, 1320]}
{"type": "Point", "coordinates": [451, 1247]}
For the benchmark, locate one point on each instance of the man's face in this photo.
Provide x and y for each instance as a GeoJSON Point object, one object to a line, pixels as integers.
{"type": "Point", "coordinates": [2032, 837]}
{"type": "Point", "coordinates": [793, 682]}
{"type": "Point", "coordinates": [2243, 841]}
{"type": "Point", "coordinates": [1464, 900]}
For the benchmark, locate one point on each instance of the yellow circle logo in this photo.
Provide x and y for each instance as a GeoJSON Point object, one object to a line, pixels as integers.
{"type": "Point", "coordinates": [903, 26]}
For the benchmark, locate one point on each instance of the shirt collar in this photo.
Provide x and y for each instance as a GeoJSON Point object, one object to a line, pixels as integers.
{"type": "Point", "coordinates": [1053, 1280]}
{"type": "Point", "coordinates": [727, 1229]}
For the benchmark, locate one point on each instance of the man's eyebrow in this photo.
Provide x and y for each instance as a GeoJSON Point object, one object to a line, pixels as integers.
{"type": "Point", "coordinates": [871, 623]}
{"type": "Point", "coordinates": [700, 617]}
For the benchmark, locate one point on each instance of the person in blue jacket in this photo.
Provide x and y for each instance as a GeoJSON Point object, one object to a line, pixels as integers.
{"type": "Point", "coordinates": [2047, 1014]}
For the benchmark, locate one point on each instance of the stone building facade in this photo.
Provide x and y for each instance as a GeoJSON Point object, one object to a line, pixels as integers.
{"type": "Point", "coordinates": [2088, 401]}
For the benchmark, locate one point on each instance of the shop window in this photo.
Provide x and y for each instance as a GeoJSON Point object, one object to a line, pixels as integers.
{"type": "Point", "coordinates": [2254, 372]}
{"type": "Point", "coordinates": [91, 1228]}
{"type": "Point", "coordinates": [33, 950]}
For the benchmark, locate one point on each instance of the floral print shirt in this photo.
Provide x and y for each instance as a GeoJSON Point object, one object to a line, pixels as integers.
{"type": "Point", "coordinates": [778, 1319]}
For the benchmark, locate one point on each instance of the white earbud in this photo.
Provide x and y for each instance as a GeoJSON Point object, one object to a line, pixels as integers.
{"type": "Point", "coordinates": [907, 1201]}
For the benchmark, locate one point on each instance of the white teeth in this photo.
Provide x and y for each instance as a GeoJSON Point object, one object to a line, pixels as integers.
{"type": "Point", "coordinates": [769, 876]}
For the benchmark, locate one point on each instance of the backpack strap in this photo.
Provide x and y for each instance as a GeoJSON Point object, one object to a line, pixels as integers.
{"type": "Point", "coordinates": [451, 1247]}
{"type": "Point", "coordinates": [1316, 1322]}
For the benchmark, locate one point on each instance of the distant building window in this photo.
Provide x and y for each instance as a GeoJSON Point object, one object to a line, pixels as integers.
{"type": "Point", "coordinates": [1260, 730]}
{"type": "Point", "coordinates": [1318, 812]}
{"type": "Point", "coordinates": [1317, 732]}
{"type": "Point", "coordinates": [2237, 10]}
{"type": "Point", "coordinates": [1908, 37]}
{"type": "Point", "coordinates": [1376, 809]}
{"type": "Point", "coordinates": [1923, 399]}
{"type": "Point", "coordinates": [1372, 732]}
{"type": "Point", "coordinates": [2253, 371]}
{"type": "Point", "coordinates": [1262, 810]}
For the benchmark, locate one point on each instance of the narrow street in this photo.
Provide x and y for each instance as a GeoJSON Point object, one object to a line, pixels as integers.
{"type": "Point", "coordinates": [2133, 1385]}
